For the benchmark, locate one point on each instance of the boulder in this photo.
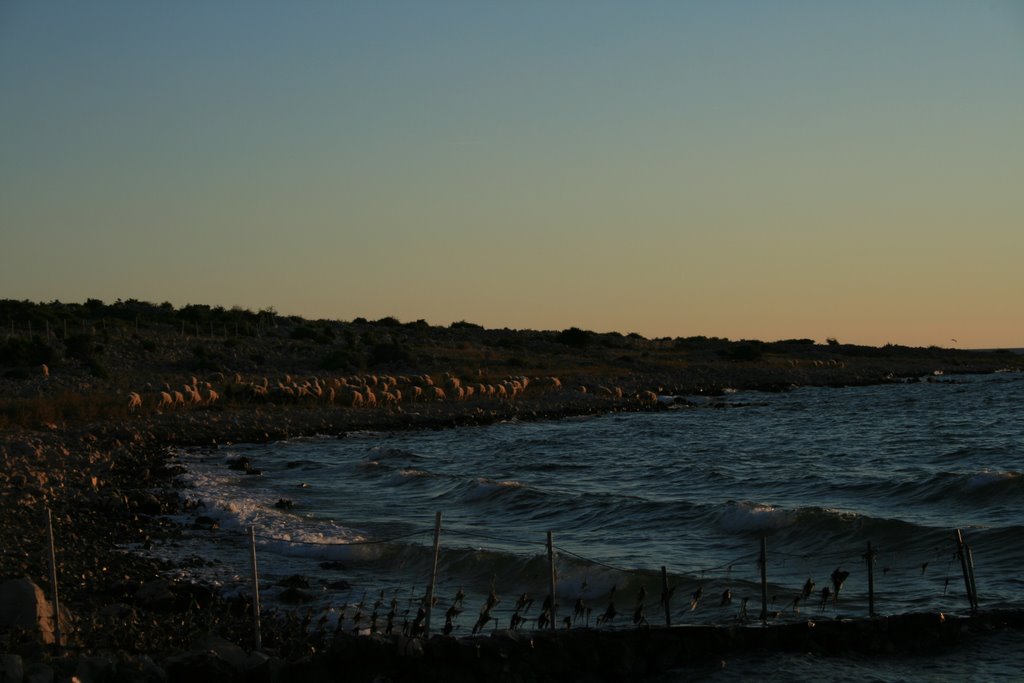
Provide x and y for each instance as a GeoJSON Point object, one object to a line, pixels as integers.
{"type": "Point", "coordinates": [23, 605]}
{"type": "Point", "coordinates": [37, 672]}
{"type": "Point", "coordinates": [12, 670]}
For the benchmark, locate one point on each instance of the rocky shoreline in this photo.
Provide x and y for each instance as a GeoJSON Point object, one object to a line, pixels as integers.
{"type": "Point", "coordinates": [110, 485]}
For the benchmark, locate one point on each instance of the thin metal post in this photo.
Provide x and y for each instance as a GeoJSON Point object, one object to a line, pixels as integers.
{"type": "Point", "coordinates": [665, 596]}
{"type": "Point", "coordinates": [963, 566]}
{"type": "Point", "coordinates": [869, 556]}
{"type": "Point", "coordinates": [53, 578]}
{"type": "Point", "coordinates": [551, 562]}
{"type": "Point", "coordinates": [255, 589]}
{"type": "Point", "coordinates": [763, 561]}
{"type": "Point", "coordinates": [433, 575]}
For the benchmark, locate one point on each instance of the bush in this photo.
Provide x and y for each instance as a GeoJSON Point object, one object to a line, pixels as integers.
{"type": "Point", "coordinates": [341, 359]}
{"type": "Point", "coordinates": [81, 347]}
{"type": "Point", "coordinates": [574, 337]}
{"type": "Point", "coordinates": [24, 353]}
{"type": "Point", "coordinates": [747, 351]}
{"type": "Point", "coordinates": [390, 354]}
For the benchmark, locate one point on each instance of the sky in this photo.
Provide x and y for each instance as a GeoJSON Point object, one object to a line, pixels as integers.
{"type": "Point", "coordinates": [751, 170]}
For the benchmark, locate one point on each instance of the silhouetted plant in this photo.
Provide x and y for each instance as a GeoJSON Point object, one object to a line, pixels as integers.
{"type": "Point", "coordinates": [389, 354]}
{"type": "Point", "coordinates": [574, 337]}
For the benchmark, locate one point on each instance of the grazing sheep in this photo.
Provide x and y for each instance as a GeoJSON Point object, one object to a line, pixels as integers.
{"type": "Point", "coordinates": [46, 371]}
{"type": "Point", "coordinates": [179, 398]}
{"type": "Point", "coordinates": [439, 394]}
{"type": "Point", "coordinates": [417, 392]}
{"type": "Point", "coordinates": [166, 400]}
{"type": "Point", "coordinates": [134, 402]}
{"type": "Point", "coordinates": [211, 396]}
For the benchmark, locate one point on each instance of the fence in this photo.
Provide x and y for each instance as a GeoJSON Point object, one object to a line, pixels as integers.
{"type": "Point", "coordinates": [750, 572]}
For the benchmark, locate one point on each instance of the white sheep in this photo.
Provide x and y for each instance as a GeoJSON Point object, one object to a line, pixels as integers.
{"type": "Point", "coordinates": [134, 401]}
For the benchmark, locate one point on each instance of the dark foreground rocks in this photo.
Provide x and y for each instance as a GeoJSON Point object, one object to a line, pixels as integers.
{"type": "Point", "coordinates": [512, 656]}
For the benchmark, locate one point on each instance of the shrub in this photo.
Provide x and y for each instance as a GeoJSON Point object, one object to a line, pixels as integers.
{"type": "Point", "coordinates": [24, 353]}
{"type": "Point", "coordinates": [81, 347]}
{"type": "Point", "coordinates": [389, 354]}
{"type": "Point", "coordinates": [574, 337]}
{"type": "Point", "coordinates": [341, 359]}
{"type": "Point", "coordinates": [746, 351]}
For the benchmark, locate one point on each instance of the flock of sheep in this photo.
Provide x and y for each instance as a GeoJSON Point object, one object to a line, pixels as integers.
{"type": "Point", "coordinates": [361, 391]}
{"type": "Point", "coordinates": [357, 391]}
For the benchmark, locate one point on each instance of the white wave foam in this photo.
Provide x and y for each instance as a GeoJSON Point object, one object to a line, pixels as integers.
{"type": "Point", "coordinates": [486, 487]}
{"type": "Point", "coordinates": [236, 503]}
{"type": "Point", "coordinates": [755, 517]}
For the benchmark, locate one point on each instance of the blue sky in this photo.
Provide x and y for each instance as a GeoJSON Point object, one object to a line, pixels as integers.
{"type": "Point", "coordinates": [740, 169]}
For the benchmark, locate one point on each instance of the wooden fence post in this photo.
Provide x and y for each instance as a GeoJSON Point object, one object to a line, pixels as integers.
{"type": "Point", "coordinates": [869, 556]}
{"type": "Point", "coordinates": [964, 568]}
{"type": "Point", "coordinates": [970, 570]}
{"type": "Point", "coordinates": [665, 596]}
{"type": "Point", "coordinates": [433, 575]}
{"type": "Point", "coordinates": [551, 562]}
{"type": "Point", "coordinates": [53, 579]}
{"type": "Point", "coordinates": [763, 561]}
{"type": "Point", "coordinates": [255, 589]}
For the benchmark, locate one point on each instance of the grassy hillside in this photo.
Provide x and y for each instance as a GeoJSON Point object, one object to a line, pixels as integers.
{"type": "Point", "coordinates": [97, 353]}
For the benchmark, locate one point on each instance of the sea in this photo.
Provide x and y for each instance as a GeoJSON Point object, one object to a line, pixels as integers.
{"type": "Point", "coordinates": [621, 505]}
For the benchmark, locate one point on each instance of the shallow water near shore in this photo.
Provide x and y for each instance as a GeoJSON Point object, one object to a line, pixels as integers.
{"type": "Point", "coordinates": [818, 473]}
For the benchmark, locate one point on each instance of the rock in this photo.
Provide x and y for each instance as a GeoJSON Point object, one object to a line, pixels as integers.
{"type": "Point", "coordinates": [11, 669]}
{"type": "Point", "coordinates": [23, 605]}
{"type": "Point", "coordinates": [294, 581]}
{"type": "Point", "coordinates": [205, 523]}
{"type": "Point", "coordinates": [284, 504]}
{"type": "Point", "coordinates": [100, 668]}
{"type": "Point", "coordinates": [117, 610]}
{"type": "Point", "coordinates": [241, 464]}
{"type": "Point", "coordinates": [38, 672]}
{"type": "Point", "coordinates": [295, 595]}
{"type": "Point", "coordinates": [333, 565]}
{"type": "Point", "coordinates": [155, 595]}
{"type": "Point", "coordinates": [199, 666]}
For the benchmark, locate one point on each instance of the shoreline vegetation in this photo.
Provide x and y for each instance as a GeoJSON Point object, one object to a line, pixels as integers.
{"type": "Point", "coordinates": [86, 432]}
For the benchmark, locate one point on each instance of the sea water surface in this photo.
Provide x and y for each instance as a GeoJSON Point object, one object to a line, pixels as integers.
{"type": "Point", "coordinates": [816, 473]}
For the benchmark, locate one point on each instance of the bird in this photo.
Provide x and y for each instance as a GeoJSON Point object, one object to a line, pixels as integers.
{"type": "Point", "coordinates": [838, 578]}
{"type": "Point", "coordinates": [610, 612]}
